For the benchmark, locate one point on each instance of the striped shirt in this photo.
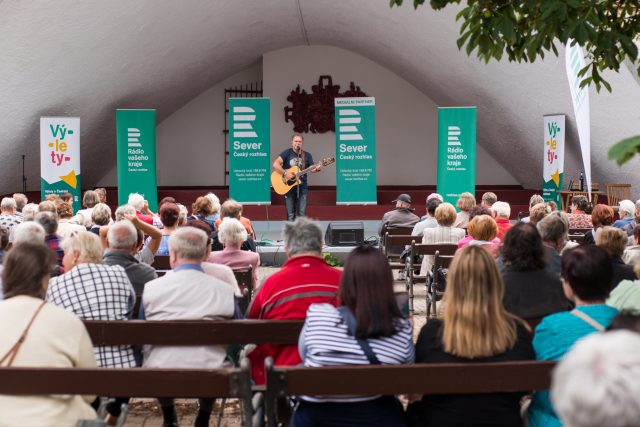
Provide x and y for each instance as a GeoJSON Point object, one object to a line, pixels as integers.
{"type": "Point", "coordinates": [325, 341]}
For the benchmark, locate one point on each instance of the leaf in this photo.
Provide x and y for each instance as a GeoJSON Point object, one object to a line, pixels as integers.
{"type": "Point", "coordinates": [625, 150]}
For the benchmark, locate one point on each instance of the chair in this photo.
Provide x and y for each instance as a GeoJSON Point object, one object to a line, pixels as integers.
{"type": "Point", "coordinates": [244, 278]}
{"type": "Point", "coordinates": [617, 192]}
{"type": "Point", "coordinates": [423, 249]}
{"type": "Point", "coordinates": [435, 289]}
{"type": "Point", "coordinates": [395, 250]}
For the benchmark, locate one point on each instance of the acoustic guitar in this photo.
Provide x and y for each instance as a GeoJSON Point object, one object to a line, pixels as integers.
{"type": "Point", "coordinates": [282, 187]}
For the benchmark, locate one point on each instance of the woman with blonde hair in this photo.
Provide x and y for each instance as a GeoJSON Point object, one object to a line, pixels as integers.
{"type": "Point", "coordinates": [445, 232]}
{"type": "Point", "coordinates": [465, 203]}
{"type": "Point", "coordinates": [476, 328]}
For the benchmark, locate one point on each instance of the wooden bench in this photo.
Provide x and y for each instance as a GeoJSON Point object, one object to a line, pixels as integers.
{"type": "Point", "coordinates": [161, 264]}
{"type": "Point", "coordinates": [435, 290]}
{"type": "Point", "coordinates": [424, 250]}
{"type": "Point", "coordinates": [393, 252]}
{"type": "Point", "coordinates": [577, 234]}
{"type": "Point", "coordinates": [446, 378]}
{"type": "Point", "coordinates": [138, 382]}
{"type": "Point", "coordinates": [193, 332]}
{"type": "Point", "coordinates": [398, 240]}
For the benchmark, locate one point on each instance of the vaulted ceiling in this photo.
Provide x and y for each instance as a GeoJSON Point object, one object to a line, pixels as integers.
{"type": "Point", "coordinates": [85, 59]}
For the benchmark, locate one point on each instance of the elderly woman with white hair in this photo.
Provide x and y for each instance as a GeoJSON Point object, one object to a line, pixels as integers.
{"type": "Point", "coordinates": [215, 204]}
{"type": "Point", "coordinates": [596, 384]}
{"type": "Point", "coordinates": [627, 213]}
{"type": "Point", "coordinates": [502, 212]}
{"type": "Point", "coordinates": [142, 207]}
{"type": "Point", "coordinates": [232, 234]}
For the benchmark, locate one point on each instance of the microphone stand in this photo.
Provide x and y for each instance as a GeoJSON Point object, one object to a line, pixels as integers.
{"type": "Point", "coordinates": [24, 177]}
{"type": "Point", "coordinates": [296, 207]}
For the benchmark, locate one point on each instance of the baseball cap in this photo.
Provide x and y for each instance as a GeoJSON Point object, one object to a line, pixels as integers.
{"type": "Point", "coordinates": [403, 198]}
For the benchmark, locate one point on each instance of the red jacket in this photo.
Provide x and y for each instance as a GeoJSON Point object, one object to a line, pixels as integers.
{"type": "Point", "coordinates": [503, 226]}
{"type": "Point", "coordinates": [287, 294]}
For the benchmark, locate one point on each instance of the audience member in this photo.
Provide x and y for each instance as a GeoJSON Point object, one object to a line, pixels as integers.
{"type": "Point", "coordinates": [95, 291]}
{"type": "Point", "coordinates": [100, 217]}
{"type": "Point", "coordinates": [627, 221]}
{"type": "Point", "coordinates": [553, 206]}
{"type": "Point", "coordinates": [475, 328]}
{"type": "Point", "coordinates": [201, 209]}
{"type": "Point", "coordinates": [367, 327]}
{"type": "Point", "coordinates": [304, 279]}
{"type": "Point", "coordinates": [537, 212]}
{"type": "Point", "coordinates": [483, 231]}
{"type": "Point", "coordinates": [21, 202]}
{"type": "Point", "coordinates": [430, 220]}
{"type": "Point", "coordinates": [578, 218]}
{"type": "Point", "coordinates": [102, 194]}
{"type": "Point", "coordinates": [401, 216]}
{"type": "Point", "coordinates": [146, 251]}
{"type": "Point", "coordinates": [601, 216]}
{"type": "Point", "coordinates": [488, 199]}
{"type": "Point", "coordinates": [502, 212]}
{"type": "Point", "coordinates": [477, 211]}
{"type": "Point", "coordinates": [429, 197]}
{"type": "Point", "coordinates": [37, 334]}
{"type": "Point", "coordinates": [531, 291]}
{"type": "Point", "coordinates": [8, 217]}
{"type": "Point", "coordinates": [123, 245]}
{"type": "Point", "coordinates": [631, 253]}
{"type": "Point", "coordinates": [138, 202]}
{"type": "Point", "coordinates": [47, 206]}
{"type": "Point", "coordinates": [627, 319]}
{"type": "Point", "coordinates": [586, 280]}
{"type": "Point", "coordinates": [553, 231]}
{"type": "Point", "coordinates": [184, 213]}
{"type": "Point", "coordinates": [232, 235]}
{"type": "Point", "coordinates": [442, 234]}
{"type": "Point", "coordinates": [29, 232]}
{"type": "Point", "coordinates": [596, 383]}
{"type": "Point", "coordinates": [169, 214]}
{"type": "Point", "coordinates": [614, 241]}
{"type": "Point", "coordinates": [534, 200]}
{"type": "Point", "coordinates": [65, 227]}
{"type": "Point", "coordinates": [232, 209]}
{"type": "Point", "coordinates": [49, 222]}
{"type": "Point", "coordinates": [466, 202]}
{"type": "Point", "coordinates": [51, 198]}
{"type": "Point", "coordinates": [219, 271]}
{"type": "Point", "coordinates": [83, 216]}
{"type": "Point", "coordinates": [66, 197]}
{"type": "Point", "coordinates": [186, 294]}
{"type": "Point", "coordinates": [29, 212]}
{"type": "Point", "coordinates": [215, 208]}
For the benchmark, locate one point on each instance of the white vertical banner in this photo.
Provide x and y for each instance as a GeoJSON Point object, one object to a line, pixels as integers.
{"type": "Point", "coordinates": [60, 157]}
{"type": "Point", "coordinates": [580, 96]}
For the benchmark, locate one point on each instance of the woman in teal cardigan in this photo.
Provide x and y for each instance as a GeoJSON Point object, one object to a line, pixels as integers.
{"type": "Point", "coordinates": [586, 280]}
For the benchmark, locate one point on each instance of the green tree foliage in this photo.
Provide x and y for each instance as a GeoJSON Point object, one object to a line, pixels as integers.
{"type": "Point", "coordinates": [526, 30]}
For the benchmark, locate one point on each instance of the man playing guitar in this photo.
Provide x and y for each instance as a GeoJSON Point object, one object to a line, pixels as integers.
{"type": "Point", "coordinates": [296, 199]}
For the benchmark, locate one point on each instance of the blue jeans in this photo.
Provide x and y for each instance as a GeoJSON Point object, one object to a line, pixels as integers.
{"type": "Point", "coordinates": [296, 203]}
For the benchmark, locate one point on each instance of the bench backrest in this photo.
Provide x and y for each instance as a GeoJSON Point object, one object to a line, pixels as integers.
{"type": "Point", "coordinates": [395, 249]}
{"type": "Point", "coordinates": [193, 332]}
{"type": "Point", "coordinates": [430, 249]}
{"type": "Point", "coordinates": [161, 262]}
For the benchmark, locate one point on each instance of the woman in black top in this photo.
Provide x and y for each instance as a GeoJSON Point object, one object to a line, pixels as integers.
{"type": "Point", "coordinates": [476, 328]}
{"type": "Point", "coordinates": [531, 291]}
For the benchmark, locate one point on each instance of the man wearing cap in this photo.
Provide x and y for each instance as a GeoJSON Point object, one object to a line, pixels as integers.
{"type": "Point", "coordinates": [401, 216]}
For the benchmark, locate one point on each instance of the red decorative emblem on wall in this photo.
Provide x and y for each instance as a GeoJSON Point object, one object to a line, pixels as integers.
{"type": "Point", "coordinates": [313, 112]}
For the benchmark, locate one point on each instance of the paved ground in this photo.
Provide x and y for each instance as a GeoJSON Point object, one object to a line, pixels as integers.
{"type": "Point", "coordinates": [146, 412]}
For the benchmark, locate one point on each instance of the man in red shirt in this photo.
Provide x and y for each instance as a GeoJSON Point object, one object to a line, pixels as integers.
{"type": "Point", "coordinates": [304, 279]}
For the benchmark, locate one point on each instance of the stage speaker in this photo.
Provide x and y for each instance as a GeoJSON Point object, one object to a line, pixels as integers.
{"type": "Point", "coordinates": [346, 233]}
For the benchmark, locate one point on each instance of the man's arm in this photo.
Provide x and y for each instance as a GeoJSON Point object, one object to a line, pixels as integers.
{"type": "Point", "coordinates": [154, 233]}
{"type": "Point", "coordinates": [277, 166]}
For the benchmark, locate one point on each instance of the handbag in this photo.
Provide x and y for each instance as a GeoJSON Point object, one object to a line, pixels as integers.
{"type": "Point", "coordinates": [351, 327]}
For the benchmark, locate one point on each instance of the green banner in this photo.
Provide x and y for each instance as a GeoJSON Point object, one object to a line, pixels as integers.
{"type": "Point", "coordinates": [456, 152]}
{"type": "Point", "coordinates": [355, 151]}
{"type": "Point", "coordinates": [60, 157]}
{"type": "Point", "coordinates": [249, 150]}
{"type": "Point", "coordinates": [553, 169]}
{"type": "Point", "coordinates": [136, 136]}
